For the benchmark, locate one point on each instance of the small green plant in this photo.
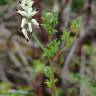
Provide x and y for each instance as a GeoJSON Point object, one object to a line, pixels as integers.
{"type": "Point", "coordinates": [53, 48]}
{"type": "Point", "coordinates": [50, 21]}
{"type": "Point", "coordinates": [65, 36]}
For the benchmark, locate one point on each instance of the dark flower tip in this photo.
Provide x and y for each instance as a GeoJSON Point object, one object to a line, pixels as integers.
{"type": "Point", "coordinates": [39, 25]}
{"type": "Point", "coordinates": [27, 40]}
{"type": "Point", "coordinates": [16, 9]}
{"type": "Point", "coordinates": [37, 9]}
{"type": "Point", "coordinates": [25, 4]}
{"type": "Point", "coordinates": [20, 28]}
{"type": "Point", "coordinates": [20, 2]}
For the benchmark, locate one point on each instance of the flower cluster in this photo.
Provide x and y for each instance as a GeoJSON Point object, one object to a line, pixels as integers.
{"type": "Point", "coordinates": [27, 13]}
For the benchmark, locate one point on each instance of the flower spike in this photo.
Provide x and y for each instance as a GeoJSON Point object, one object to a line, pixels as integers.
{"type": "Point", "coordinates": [27, 13]}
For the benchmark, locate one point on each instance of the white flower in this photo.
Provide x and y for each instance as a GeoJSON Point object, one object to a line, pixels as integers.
{"type": "Point", "coordinates": [25, 34]}
{"type": "Point", "coordinates": [24, 21]}
{"type": "Point", "coordinates": [23, 13]}
{"type": "Point", "coordinates": [30, 26]}
{"type": "Point", "coordinates": [27, 13]}
{"type": "Point", "coordinates": [34, 22]}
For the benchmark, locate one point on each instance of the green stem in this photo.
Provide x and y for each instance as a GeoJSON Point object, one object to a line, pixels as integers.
{"type": "Point", "coordinates": [52, 78]}
{"type": "Point", "coordinates": [37, 40]}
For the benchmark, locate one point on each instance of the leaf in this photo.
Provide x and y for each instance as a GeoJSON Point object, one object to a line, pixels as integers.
{"type": "Point", "coordinates": [47, 71]}
{"type": "Point", "coordinates": [48, 83]}
{"type": "Point", "coordinates": [65, 36]}
{"type": "Point", "coordinates": [52, 48]}
{"type": "Point", "coordinates": [75, 24]}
